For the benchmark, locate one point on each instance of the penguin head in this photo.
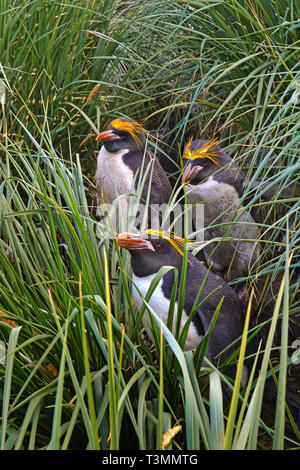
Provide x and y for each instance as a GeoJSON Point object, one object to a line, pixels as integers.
{"type": "Point", "coordinates": [149, 253]}
{"type": "Point", "coordinates": [122, 134]}
{"type": "Point", "coordinates": [204, 159]}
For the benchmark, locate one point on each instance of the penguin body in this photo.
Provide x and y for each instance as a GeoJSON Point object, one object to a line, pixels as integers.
{"type": "Point", "coordinates": [217, 183]}
{"type": "Point", "coordinates": [147, 257]}
{"type": "Point", "coordinates": [120, 160]}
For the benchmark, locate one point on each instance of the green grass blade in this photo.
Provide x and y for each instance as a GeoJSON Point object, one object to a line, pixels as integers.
{"type": "Point", "coordinates": [237, 382]}
{"type": "Point", "coordinates": [278, 442]}
{"type": "Point", "coordinates": [10, 357]}
{"type": "Point", "coordinates": [113, 413]}
{"type": "Point", "coordinates": [160, 421]}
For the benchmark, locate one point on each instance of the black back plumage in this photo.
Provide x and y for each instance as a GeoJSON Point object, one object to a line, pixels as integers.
{"type": "Point", "coordinates": [139, 162]}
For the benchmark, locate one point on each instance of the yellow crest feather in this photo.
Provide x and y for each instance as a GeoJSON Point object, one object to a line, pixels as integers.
{"type": "Point", "coordinates": [203, 152]}
{"type": "Point", "coordinates": [175, 241]}
{"type": "Point", "coordinates": [132, 127]}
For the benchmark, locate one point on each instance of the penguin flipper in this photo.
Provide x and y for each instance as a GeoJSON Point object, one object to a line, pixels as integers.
{"type": "Point", "coordinates": [226, 330]}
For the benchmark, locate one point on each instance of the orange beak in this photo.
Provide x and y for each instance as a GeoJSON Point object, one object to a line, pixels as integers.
{"type": "Point", "coordinates": [107, 135]}
{"type": "Point", "coordinates": [190, 172]}
{"type": "Point", "coordinates": [132, 241]}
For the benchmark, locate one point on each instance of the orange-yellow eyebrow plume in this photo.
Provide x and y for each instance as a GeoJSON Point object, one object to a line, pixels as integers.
{"type": "Point", "coordinates": [132, 127]}
{"type": "Point", "coordinates": [175, 241]}
{"type": "Point", "coordinates": [204, 152]}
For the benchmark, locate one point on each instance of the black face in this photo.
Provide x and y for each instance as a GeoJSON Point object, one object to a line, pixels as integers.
{"type": "Point", "coordinates": [123, 139]}
{"type": "Point", "coordinates": [145, 262]}
{"type": "Point", "coordinates": [209, 167]}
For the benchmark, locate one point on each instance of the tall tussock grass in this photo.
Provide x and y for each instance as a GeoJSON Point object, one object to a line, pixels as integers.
{"type": "Point", "coordinates": [77, 370]}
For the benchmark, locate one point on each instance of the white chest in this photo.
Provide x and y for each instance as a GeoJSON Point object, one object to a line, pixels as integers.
{"type": "Point", "coordinates": [113, 177]}
{"type": "Point", "coordinates": [213, 189]}
{"type": "Point", "coordinates": [220, 198]}
{"type": "Point", "coordinates": [160, 304]}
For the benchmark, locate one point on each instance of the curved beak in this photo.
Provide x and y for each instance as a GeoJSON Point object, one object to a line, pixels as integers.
{"type": "Point", "coordinates": [107, 135]}
{"type": "Point", "coordinates": [132, 241]}
{"type": "Point", "coordinates": [190, 172]}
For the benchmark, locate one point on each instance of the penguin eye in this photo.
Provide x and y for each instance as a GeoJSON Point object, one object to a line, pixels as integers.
{"type": "Point", "coordinates": [123, 134]}
{"type": "Point", "coordinates": [159, 246]}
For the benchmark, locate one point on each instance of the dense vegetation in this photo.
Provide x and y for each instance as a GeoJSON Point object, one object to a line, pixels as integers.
{"type": "Point", "coordinates": [76, 369]}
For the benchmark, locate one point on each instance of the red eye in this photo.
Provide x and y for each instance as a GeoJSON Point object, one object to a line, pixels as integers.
{"type": "Point", "coordinates": [159, 247]}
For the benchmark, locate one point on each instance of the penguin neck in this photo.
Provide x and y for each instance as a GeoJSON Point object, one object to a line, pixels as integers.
{"type": "Point", "coordinates": [143, 266]}
{"type": "Point", "coordinates": [219, 198]}
{"type": "Point", "coordinates": [228, 173]}
{"type": "Point", "coordinates": [136, 158]}
{"type": "Point", "coordinates": [231, 177]}
{"type": "Point", "coordinates": [220, 183]}
{"type": "Point", "coordinates": [107, 156]}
